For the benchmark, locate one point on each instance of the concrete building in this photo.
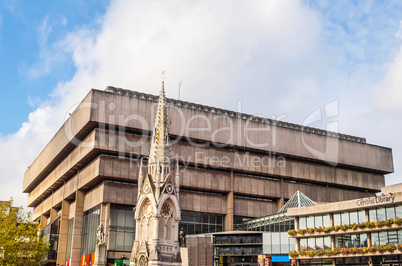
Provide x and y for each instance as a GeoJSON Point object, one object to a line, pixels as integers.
{"type": "Point", "coordinates": [364, 231]}
{"type": "Point", "coordinates": [234, 167]}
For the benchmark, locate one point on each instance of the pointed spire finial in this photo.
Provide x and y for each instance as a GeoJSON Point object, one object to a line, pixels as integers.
{"type": "Point", "coordinates": [163, 74]}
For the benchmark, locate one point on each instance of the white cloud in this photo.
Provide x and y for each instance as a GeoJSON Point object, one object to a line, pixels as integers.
{"type": "Point", "coordinates": [398, 34]}
{"type": "Point", "coordinates": [267, 53]}
{"type": "Point", "coordinates": [388, 93]}
{"type": "Point", "coordinates": [212, 45]}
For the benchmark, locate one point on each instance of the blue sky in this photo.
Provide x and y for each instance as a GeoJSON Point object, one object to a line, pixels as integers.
{"type": "Point", "coordinates": [280, 59]}
{"type": "Point", "coordinates": [23, 42]}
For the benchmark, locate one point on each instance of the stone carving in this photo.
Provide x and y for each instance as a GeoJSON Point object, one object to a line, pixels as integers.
{"type": "Point", "coordinates": [100, 235]}
{"type": "Point", "coordinates": [182, 238]}
{"type": "Point", "coordinates": [142, 261]}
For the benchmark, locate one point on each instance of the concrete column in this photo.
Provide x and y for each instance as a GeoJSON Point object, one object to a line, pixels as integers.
{"type": "Point", "coordinates": [78, 221]}
{"type": "Point", "coordinates": [367, 215]}
{"type": "Point", "coordinates": [105, 211]}
{"type": "Point", "coordinates": [62, 248]}
{"type": "Point", "coordinates": [53, 214]}
{"type": "Point", "coordinates": [43, 221]}
{"type": "Point", "coordinates": [331, 219]}
{"type": "Point", "coordinates": [296, 223]}
{"type": "Point", "coordinates": [333, 244]}
{"type": "Point", "coordinates": [281, 201]}
{"type": "Point", "coordinates": [229, 206]}
{"type": "Point", "coordinates": [297, 244]}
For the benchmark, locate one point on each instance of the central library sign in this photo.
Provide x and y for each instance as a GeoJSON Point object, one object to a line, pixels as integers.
{"type": "Point", "coordinates": [376, 200]}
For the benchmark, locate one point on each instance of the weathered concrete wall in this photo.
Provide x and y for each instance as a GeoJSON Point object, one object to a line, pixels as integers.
{"type": "Point", "coordinates": [135, 111]}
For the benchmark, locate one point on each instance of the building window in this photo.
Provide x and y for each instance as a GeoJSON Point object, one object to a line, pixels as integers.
{"type": "Point", "coordinates": [351, 240]}
{"type": "Point", "coordinates": [121, 228]}
{"type": "Point", "coordinates": [90, 224]}
{"type": "Point", "coordinates": [382, 213]}
{"type": "Point", "coordinates": [302, 223]}
{"type": "Point", "coordinates": [201, 223]}
{"type": "Point", "coordinates": [386, 237]}
{"type": "Point", "coordinates": [337, 219]}
{"type": "Point", "coordinates": [352, 217]}
{"type": "Point", "coordinates": [314, 221]}
{"type": "Point", "coordinates": [69, 237]}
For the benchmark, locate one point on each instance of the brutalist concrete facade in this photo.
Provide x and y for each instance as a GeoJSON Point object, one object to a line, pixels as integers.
{"type": "Point", "coordinates": [232, 164]}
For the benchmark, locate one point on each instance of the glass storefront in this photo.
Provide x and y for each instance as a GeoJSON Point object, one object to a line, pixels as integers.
{"type": "Point", "coordinates": [121, 228]}
{"type": "Point", "coordinates": [90, 224]}
{"type": "Point", "coordinates": [201, 223]}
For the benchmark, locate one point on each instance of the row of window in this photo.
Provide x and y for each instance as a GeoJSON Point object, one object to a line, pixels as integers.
{"type": "Point", "coordinates": [122, 227]}
{"type": "Point", "coordinates": [275, 227]}
{"type": "Point", "coordinates": [201, 223]}
{"type": "Point", "coordinates": [351, 217]}
{"type": "Point", "coordinates": [385, 213]}
{"type": "Point", "coordinates": [89, 226]}
{"type": "Point", "coordinates": [377, 260]}
{"type": "Point", "coordinates": [315, 243]}
{"type": "Point", "coordinates": [277, 243]}
{"type": "Point", "coordinates": [352, 240]}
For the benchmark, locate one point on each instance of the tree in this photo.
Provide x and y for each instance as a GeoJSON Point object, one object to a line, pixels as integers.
{"type": "Point", "coordinates": [20, 241]}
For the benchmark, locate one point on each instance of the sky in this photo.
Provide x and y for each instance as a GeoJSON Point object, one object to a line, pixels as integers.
{"type": "Point", "coordinates": [278, 59]}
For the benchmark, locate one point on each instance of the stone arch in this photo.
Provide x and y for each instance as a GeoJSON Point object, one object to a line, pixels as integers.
{"type": "Point", "coordinates": [168, 222]}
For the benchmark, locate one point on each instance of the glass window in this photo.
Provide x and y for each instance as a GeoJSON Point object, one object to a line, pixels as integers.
{"type": "Point", "coordinates": [303, 243]}
{"type": "Point", "coordinates": [337, 219]}
{"type": "Point", "coordinates": [355, 240]}
{"type": "Point", "coordinates": [345, 218]}
{"type": "Point", "coordinates": [327, 242]}
{"type": "Point", "coordinates": [343, 241]}
{"type": "Point", "coordinates": [399, 236]}
{"type": "Point", "coordinates": [392, 237]}
{"type": "Point", "coordinates": [383, 238]}
{"type": "Point", "coordinates": [201, 223]}
{"type": "Point", "coordinates": [353, 218]}
{"type": "Point", "coordinates": [381, 214]}
{"type": "Point", "coordinates": [284, 243]}
{"type": "Point", "coordinates": [390, 211]}
{"type": "Point", "coordinates": [88, 234]}
{"type": "Point", "coordinates": [363, 240]}
{"type": "Point", "coordinates": [69, 237]}
{"type": "Point", "coordinates": [398, 211]}
{"type": "Point", "coordinates": [362, 216]}
{"type": "Point", "coordinates": [326, 220]}
{"type": "Point", "coordinates": [276, 248]}
{"type": "Point", "coordinates": [373, 215]}
{"type": "Point", "coordinates": [302, 223]}
{"type": "Point", "coordinates": [310, 221]}
{"type": "Point", "coordinates": [319, 243]}
{"type": "Point", "coordinates": [375, 239]}
{"type": "Point", "coordinates": [311, 243]}
{"type": "Point", "coordinates": [318, 221]}
{"type": "Point", "coordinates": [121, 228]}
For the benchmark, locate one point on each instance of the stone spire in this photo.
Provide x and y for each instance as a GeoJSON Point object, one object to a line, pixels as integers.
{"type": "Point", "coordinates": [160, 152]}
